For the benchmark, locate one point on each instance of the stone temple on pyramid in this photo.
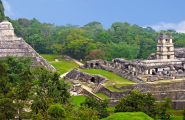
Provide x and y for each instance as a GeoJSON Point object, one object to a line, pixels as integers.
{"type": "Point", "coordinates": [14, 46]}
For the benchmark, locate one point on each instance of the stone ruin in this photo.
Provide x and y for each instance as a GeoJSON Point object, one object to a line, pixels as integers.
{"type": "Point", "coordinates": [167, 63]}
{"type": "Point", "coordinates": [164, 64]}
{"type": "Point", "coordinates": [11, 45]}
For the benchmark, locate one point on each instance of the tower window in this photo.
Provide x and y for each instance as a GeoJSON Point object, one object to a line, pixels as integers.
{"type": "Point", "coordinates": [168, 49]}
{"type": "Point", "coordinates": [168, 57]}
{"type": "Point", "coordinates": [167, 41]}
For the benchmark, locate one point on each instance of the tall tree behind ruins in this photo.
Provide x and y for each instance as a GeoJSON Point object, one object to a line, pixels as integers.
{"type": "Point", "coordinates": [1, 11]}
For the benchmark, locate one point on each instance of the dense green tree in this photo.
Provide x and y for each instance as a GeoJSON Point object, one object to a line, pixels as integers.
{"type": "Point", "coordinates": [25, 22]}
{"type": "Point", "coordinates": [92, 29]}
{"type": "Point", "coordinates": [77, 45]}
{"type": "Point", "coordinates": [100, 106]}
{"type": "Point", "coordinates": [2, 15]}
{"type": "Point", "coordinates": [56, 111]}
{"type": "Point", "coordinates": [57, 48]}
{"type": "Point", "coordinates": [138, 101]}
{"type": "Point", "coordinates": [15, 66]}
{"type": "Point", "coordinates": [48, 88]}
{"type": "Point", "coordinates": [149, 29]}
{"type": "Point", "coordinates": [7, 106]}
{"type": "Point", "coordinates": [123, 50]}
{"type": "Point", "coordinates": [164, 106]}
{"type": "Point", "coordinates": [103, 37]}
{"type": "Point", "coordinates": [22, 91]}
{"type": "Point", "coordinates": [77, 41]}
{"type": "Point", "coordinates": [92, 24]}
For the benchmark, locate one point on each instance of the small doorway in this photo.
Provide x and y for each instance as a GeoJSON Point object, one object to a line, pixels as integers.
{"type": "Point", "coordinates": [92, 79]}
{"type": "Point", "coordinates": [92, 65]}
{"type": "Point", "coordinates": [168, 56]}
{"type": "Point", "coordinates": [156, 70]}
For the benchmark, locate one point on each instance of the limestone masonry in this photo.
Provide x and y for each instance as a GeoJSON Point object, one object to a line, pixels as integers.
{"type": "Point", "coordinates": [14, 46]}
{"type": "Point", "coordinates": [166, 63]}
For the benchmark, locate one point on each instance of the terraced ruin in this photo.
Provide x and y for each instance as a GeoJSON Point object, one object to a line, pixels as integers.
{"type": "Point", "coordinates": [162, 74]}
{"type": "Point", "coordinates": [11, 45]}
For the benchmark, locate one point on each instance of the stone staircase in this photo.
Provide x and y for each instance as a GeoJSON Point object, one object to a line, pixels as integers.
{"type": "Point", "coordinates": [14, 46]}
{"type": "Point", "coordinates": [97, 88]}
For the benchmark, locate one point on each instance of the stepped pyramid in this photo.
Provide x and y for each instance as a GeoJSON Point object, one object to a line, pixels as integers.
{"type": "Point", "coordinates": [14, 46]}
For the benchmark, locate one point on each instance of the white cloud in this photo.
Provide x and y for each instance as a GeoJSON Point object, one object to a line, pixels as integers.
{"type": "Point", "coordinates": [8, 8]}
{"type": "Point", "coordinates": [179, 27]}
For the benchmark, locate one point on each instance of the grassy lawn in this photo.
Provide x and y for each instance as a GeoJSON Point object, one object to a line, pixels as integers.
{"type": "Point", "coordinates": [128, 116]}
{"type": "Point", "coordinates": [113, 89]}
{"type": "Point", "coordinates": [103, 96]}
{"type": "Point", "coordinates": [176, 118]}
{"type": "Point", "coordinates": [78, 99]}
{"type": "Point", "coordinates": [119, 85]}
{"type": "Point", "coordinates": [51, 57]}
{"type": "Point", "coordinates": [110, 108]}
{"type": "Point", "coordinates": [63, 65]}
{"type": "Point", "coordinates": [175, 112]}
{"type": "Point", "coordinates": [111, 76]}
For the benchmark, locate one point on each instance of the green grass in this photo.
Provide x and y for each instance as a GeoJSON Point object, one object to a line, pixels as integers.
{"type": "Point", "coordinates": [111, 76]}
{"type": "Point", "coordinates": [51, 57]}
{"type": "Point", "coordinates": [128, 116]}
{"type": "Point", "coordinates": [103, 96]}
{"type": "Point", "coordinates": [63, 65]}
{"type": "Point", "coordinates": [176, 118]}
{"type": "Point", "coordinates": [110, 108]}
{"type": "Point", "coordinates": [113, 89]}
{"type": "Point", "coordinates": [175, 112]}
{"type": "Point", "coordinates": [119, 85]}
{"type": "Point", "coordinates": [78, 99]}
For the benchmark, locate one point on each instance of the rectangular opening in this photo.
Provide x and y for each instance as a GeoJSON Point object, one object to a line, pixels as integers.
{"type": "Point", "coordinates": [167, 41]}
{"type": "Point", "coordinates": [168, 49]}
{"type": "Point", "coordinates": [168, 56]}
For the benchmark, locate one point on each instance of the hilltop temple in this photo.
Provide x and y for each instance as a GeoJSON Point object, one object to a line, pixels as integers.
{"type": "Point", "coordinates": [14, 46]}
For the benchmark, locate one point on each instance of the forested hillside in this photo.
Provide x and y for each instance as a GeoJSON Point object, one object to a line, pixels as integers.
{"type": "Point", "coordinates": [121, 40]}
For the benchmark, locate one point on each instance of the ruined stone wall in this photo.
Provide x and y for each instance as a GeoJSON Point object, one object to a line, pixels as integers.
{"type": "Point", "coordinates": [174, 91]}
{"type": "Point", "coordinates": [86, 77]}
{"type": "Point", "coordinates": [114, 67]}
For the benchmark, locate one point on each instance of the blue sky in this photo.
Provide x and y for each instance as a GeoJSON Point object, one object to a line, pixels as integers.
{"type": "Point", "coordinates": [159, 14]}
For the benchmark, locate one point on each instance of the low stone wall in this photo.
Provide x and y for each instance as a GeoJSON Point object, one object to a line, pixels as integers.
{"type": "Point", "coordinates": [143, 87]}
{"type": "Point", "coordinates": [113, 94]}
{"type": "Point", "coordinates": [174, 91]}
{"type": "Point", "coordinates": [87, 93]}
{"type": "Point", "coordinates": [178, 104]}
{"type": "Point", "coordinates": [113, 102]}
{"type": "Point", "coordinates": [86, 77]}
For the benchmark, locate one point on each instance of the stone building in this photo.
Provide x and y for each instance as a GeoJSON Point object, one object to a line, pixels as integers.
{"type": "Point", "coordinates": [14, 46]}
{"type": "Point", "coordinates": [166, 64]}
{"type": "Point", "coordinates": [165, 46]}
{"type": "Point", "coordinates": [159, 65]}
